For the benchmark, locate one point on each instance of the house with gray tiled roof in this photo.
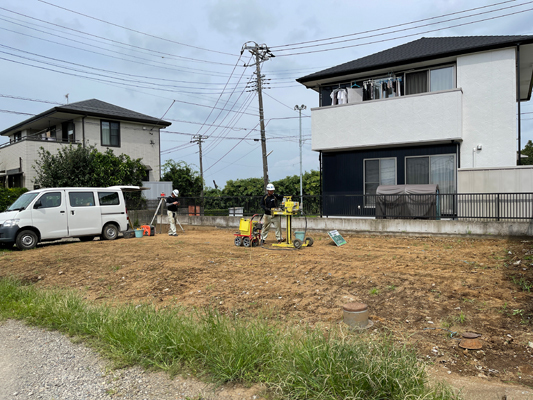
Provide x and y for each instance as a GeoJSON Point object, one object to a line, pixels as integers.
{"type": "Point", "coordinates": [435, 110]}
{"type": "Point", "coordinates": [89, 122]}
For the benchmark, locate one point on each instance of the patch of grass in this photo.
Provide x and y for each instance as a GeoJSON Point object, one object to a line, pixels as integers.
{"type": "Point", "coordinates": [115, 268]}
{"type": "Point", "coordinates": [391, 287]}
{"type": "Point", "coordinates": [293, 362]}
{"type": "Point", "coordinates": [523, 283]}
{"type": "Point", "coordinates": [374, 291]}
{"type": "Point", "coordinates": [461, 318]}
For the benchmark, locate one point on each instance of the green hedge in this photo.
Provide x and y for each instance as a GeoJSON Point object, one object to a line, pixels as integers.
{"type": "Point", "coordinates": [8, 196]}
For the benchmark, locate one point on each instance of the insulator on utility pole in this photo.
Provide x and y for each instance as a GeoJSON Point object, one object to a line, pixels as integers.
{"type": "Point", "coordinates": [262, 53]}
{"type": "Point", "coordinates": [199, 139]}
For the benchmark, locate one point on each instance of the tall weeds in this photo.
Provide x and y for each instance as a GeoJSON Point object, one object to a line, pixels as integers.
{"type": "Point", "coordinates": [295, 363]}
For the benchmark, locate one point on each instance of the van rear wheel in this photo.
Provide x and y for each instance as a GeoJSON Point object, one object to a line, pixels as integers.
{"type": "Point", "coordinates": [110, 232]}
{"type": "Point", "coordinates": [26, 240]}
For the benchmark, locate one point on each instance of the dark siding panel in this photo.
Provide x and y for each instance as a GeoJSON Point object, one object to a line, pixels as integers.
{"type": "Point", "coordinates": [343, 171]}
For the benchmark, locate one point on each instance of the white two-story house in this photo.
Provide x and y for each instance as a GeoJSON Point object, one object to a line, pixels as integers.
{"type": "Point", "coordinates": [421, 112]}
{"type": "Point", "coordinates": [90, 122]}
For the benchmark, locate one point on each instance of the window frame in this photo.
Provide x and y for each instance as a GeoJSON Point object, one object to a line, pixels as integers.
{"type": "Point", "coordinates": [46, 194]}
{"type": "Point", "coordinates": [429, 157]}
{"type": "Point", "coordinates": [428, 70]}
{"type": "Point", "coordinates": [104, 194]}
{"type": "Point", "coordinates": [372, 204]}
{"type": "Point", "coordinates": [110, 135]}
{"type": "Point", "coordinates": [70, 194]}
{"type": "Point", "coordinates": [65, 137]}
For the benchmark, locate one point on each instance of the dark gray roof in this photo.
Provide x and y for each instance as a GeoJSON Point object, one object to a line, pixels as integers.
{"type": "Point", "coordinates": [419, 50]}
{"type": "Point", "coordinates": [95, 108]}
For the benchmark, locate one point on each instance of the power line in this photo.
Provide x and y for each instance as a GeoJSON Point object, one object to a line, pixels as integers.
{"type": "Point", "coordinates": [114, 41]}
{"type": "Point", "coordinates": [106, 81]}
{"type": "Point", "coordinates": [136, 31]}
{"type": "Point", "coordinates": [406, 29]}
{"type": "Point", "coordinates": [157, 64]}
{"type": "Point", "coordinates": [389, 27]}
{"type": "Point", "coordinates": [405, 36]}
{"type": "Point", "coordinates": [123, 73]}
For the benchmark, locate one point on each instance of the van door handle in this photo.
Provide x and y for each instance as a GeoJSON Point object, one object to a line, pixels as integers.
{"type": "Point", "coordinates": [72, 212]}
{"type": "Point", "coordinates": [61, 212]}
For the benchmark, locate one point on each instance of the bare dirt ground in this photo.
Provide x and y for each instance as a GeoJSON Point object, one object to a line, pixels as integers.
{"type": "Point", "coordinates": [419, 289]}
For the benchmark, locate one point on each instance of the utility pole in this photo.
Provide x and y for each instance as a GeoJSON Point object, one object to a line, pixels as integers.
{"type": "Point", "coordinates": [299, 109]}
{"type": "Point", "coordinates": [199, 139]}
{"type": "Point", "coordinates": [261, 53]}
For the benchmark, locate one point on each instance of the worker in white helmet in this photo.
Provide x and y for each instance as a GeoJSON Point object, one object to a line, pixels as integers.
{"type": "Point", "coordinates": [268, 202]}
{"type": "Point", "coordinates": [172, 209]}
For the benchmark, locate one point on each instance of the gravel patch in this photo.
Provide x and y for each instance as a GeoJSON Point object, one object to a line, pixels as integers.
{"type": "Point", "coordinates": [40, 364]}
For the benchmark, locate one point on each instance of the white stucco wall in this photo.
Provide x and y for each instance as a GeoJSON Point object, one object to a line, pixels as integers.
{"type": "Point", "coordinates": [417, 119]}
{"type": "Point", "coordinates": [516, 179]}
{"type": "Point", "coordinates": [134, 141]}
{"type": "Point", "coordinates": [488, 81]}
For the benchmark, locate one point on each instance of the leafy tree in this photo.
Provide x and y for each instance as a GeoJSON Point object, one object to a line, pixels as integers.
{"type": "Point", "coordinates": [76, 166]}
{"type": "Point", "coordinates": [183, 177]}
{"type": "Point", "coordinates": [527, 151]}
{"type": "Point", "coordinates": [290, 185]}
{"type": "Point", "coordinates": [244, 187]}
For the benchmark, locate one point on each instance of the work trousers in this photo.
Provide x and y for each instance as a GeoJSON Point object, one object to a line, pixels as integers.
{"type": "Point", "coordinates": [171, 222]}
{"type": "Point", "coordinates": [269, 220]}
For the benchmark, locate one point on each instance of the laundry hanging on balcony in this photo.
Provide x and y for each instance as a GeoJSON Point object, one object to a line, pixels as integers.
{"type": "Point", "coordinates": [339, 96]}
{"type": "Point", "coordinates": [374, 89]}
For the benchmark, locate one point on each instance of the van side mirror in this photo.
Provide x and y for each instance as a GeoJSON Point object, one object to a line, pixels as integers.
{"type": "Point", "coordinates": [38, 204]}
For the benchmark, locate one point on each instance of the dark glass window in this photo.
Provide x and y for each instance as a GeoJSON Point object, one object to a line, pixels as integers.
{"type": "Point", "coordinates": [81, 199]}
{"type": "Point", "coordinates": [110, 133]}
{"type": "Point", "coordinates": [108, 198]}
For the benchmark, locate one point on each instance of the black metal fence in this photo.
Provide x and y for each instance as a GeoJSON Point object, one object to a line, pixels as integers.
{"type": "Point", "coordinates": [463, 206]}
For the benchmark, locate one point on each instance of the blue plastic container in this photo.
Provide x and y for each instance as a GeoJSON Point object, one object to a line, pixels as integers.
{"type": "Point", "coordinates": [139, 233]}
{"type": "Point", "coordinates": [300, 235]}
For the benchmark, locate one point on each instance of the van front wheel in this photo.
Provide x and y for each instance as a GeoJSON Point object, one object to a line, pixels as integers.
{"type": "Point", "coordinates": [26, 240]}
{"type": "Point", "coordinates": [110, 232]}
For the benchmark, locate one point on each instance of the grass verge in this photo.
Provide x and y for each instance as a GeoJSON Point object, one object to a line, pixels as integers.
{"type": "Point", "coordinates": [293, 363]}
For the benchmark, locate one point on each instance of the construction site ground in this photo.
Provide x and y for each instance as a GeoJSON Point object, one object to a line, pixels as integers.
{"type": "Point", "coordinates": [425, 291]}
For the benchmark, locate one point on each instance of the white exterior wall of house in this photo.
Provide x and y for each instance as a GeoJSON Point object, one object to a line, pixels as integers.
{"type": "Point", "coordinates": [415, 119]}
{"type": "Point", "coordinates": [481, 111]}
{"type": "Point", "coordinates": [488, 81]}
{"type": "Point", "coordinates": [134, 141]}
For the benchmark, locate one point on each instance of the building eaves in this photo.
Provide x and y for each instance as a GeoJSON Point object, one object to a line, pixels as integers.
{"type": "Point", "coordinates": [95, 108]}
{"type": "Point", "coordinates": [420, 50]}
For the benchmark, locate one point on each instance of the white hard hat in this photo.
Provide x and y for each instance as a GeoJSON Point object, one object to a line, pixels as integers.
{"type": "Point", "coordinates": [175, 192]}
{"type": "Point", "coordinates": [270, 187]}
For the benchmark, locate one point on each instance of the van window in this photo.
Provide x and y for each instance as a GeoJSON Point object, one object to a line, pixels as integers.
{"type": "Point", "coordinates": [50, 200]}
{"type": "Point", "coordinates": [22, 202]}
{"type": "Point", "coordinates": [81, 199]}
{"type": "Point", "coordinates": [108, 198]}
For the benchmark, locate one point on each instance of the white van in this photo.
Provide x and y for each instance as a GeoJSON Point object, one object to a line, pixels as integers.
{"type": "Point", "coordinates": [56, 213]}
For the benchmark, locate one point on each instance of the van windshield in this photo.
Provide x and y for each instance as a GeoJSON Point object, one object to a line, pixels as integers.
{"type": "Point", "coordinates": [22, 202]}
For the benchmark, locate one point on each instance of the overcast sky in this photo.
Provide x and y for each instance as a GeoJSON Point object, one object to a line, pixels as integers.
{"type": "Point", "coordinates": [181, 60]}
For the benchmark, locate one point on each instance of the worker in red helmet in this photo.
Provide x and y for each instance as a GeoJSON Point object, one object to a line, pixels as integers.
{"type": "Point", "coordinates": [172, 209]}
{"type": "Point", "coordinates": [268, 202]}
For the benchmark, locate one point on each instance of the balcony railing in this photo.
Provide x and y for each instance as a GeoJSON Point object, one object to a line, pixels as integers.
{"type": "Point", "coordinates": [38, 139]}
{"type": "Point", "coordinates": [461, 206]}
